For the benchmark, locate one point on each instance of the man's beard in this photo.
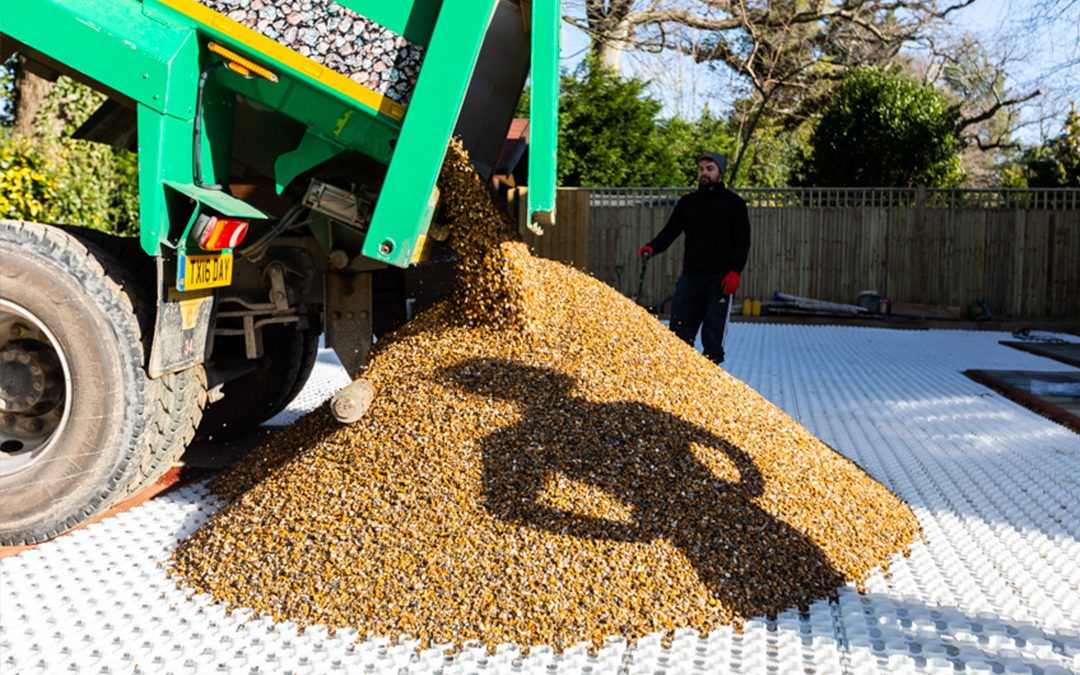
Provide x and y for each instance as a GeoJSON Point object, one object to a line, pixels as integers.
{"type": "Point", "coordinates": [706, 182]}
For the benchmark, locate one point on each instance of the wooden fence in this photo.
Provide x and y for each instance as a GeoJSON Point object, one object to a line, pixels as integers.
{"type": "Point", "coordinates": [1017, 250]}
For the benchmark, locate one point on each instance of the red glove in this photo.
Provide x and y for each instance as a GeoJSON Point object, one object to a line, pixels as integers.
{"type": "Point", "coordinates": [645, 250]}
{"type": "Point", "coordinates": [730, 284]}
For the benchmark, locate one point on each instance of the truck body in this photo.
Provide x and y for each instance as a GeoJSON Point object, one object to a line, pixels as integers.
{"type": "Point", "coordinates": [288, 155]}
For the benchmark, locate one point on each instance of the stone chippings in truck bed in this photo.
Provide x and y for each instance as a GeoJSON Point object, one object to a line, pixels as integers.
{"type": "Point", "coordinates": [336, 37]}
{"type": "Point", "coordinates": [544, 463]}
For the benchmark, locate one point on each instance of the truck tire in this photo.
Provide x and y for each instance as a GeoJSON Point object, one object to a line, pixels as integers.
{"type": "Point", "coordinates": [176, 400]}
{"type": "Point", "coordinates": [288, 357]}
{"type": "Point", "coordinates": [70, 335]}
{"type": "Point", "coordinates": [181, 398]}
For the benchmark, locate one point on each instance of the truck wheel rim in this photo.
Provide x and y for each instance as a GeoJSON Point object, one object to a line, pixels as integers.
{"type": "Point", "coordinates": [35, 389]}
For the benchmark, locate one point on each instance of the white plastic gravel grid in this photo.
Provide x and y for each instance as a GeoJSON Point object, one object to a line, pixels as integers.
{"type": "Point", "coordinates": [995, 589]}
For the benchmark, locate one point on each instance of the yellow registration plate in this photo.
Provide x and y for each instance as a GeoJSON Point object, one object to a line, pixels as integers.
{"type": "Point", "coordinates": [204, 271]}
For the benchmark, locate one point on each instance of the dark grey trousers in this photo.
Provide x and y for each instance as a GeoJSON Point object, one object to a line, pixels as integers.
{"type": "Point", "coordinates": [700, 302]}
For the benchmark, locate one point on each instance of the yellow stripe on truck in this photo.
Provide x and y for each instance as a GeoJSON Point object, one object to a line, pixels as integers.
{"type": "Point", "coordinates": [279, 52]}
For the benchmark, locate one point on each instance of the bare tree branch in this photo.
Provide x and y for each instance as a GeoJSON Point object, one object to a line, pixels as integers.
{"type": "Point", "coordinates": [966, 122]}
{"type": "Point", "coordinates": [999, 144]}
{"type": "Point", "coordinates": [960, 5]}
{"type": "Point", "coordinates": [784, 49]}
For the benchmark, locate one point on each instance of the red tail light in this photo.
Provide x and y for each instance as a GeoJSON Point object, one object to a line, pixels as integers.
{"type": "Point", "coordinates": [215, 234]}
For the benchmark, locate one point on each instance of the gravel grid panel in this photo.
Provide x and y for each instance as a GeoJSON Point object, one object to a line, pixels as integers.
{"type": "Point", "coordinates": [995, 588]}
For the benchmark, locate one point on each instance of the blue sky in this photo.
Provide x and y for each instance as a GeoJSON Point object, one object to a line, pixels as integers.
{"type": "Point", "coordinates": [685, 87]}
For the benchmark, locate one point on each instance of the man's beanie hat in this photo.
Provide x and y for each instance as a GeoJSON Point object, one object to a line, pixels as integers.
{"type": "Point", "coordinates": [721, 160]}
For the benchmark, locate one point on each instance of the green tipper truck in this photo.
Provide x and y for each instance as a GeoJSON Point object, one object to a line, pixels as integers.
{"type": "Point", "coordinates": [288, 153]}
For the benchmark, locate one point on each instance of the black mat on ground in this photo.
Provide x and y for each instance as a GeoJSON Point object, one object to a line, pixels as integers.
{"type": "Point", "coordinates": [1055, 395]}
{"type": "Point", "coordinates": [1066, 352]}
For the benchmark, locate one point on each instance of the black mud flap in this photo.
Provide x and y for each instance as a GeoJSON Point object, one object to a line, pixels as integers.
{"type": "Point", "coordinates": [349, 318]}
{"type": "Point", "coordinates": [182, 326]}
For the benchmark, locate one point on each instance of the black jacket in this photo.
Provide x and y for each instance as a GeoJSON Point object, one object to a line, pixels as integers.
{"type": "Point", "coordinates": [717, 230]}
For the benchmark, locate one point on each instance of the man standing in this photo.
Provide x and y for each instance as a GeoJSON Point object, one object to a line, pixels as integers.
{"type": "Point", "coordinates": [717, 242]}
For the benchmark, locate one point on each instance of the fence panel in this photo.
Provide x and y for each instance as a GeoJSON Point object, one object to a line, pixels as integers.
{"type": "Point", "coordinates": [997, 266]}
{"type": "Point", "coordinates": [1064, 262]}
{"type": "Point", "coordinates": [571, 244]}
{"type": "Point", "coordinates": [1019, 250]}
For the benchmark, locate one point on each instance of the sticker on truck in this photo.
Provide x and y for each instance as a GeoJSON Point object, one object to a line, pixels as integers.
{"type": "Point", "coordinates": [204, 271]}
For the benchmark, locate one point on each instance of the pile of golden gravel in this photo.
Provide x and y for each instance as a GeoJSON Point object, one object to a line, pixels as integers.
{"type": "Point", "coordinates": [543, 463]}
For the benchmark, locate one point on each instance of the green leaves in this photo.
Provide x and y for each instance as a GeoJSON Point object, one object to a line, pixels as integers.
{"type": "Point", "coordinates": [1056, 163]}
{"type": "Point", "coordinates": [880, 128]}
{"type": "Point", "coordinates": [683, 142]}
{"type": "Point", "coordinates": [52, 178]}
{"type": "Point", "coordinates": [610, 135]}
{"type": "Point", "coordinates": [607, 129]}
{"type": "Point", "coordinates": [28, 182]}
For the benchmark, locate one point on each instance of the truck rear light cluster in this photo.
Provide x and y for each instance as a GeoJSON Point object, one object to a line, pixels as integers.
{"type": "Point", "coordinates": [216, 234]}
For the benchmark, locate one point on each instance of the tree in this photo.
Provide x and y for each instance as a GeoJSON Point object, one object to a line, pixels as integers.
{"type": "Point", "coordinates": [617, 25]}
{"type": "Point", "coordinates": [880, 128]}
{"type": "Point", "coordinates": [792, 51]}
{"type": "Point", "coordinates": [789, 52]}
{"type": "Point", "coordinates": [683, 141]}
{"type": "Point", "coordinates": [973, 76]}
{"type": "Point", "coordinates": [607, 130]}
{"type": "Point", "coordinates": [47, 176]}
{"type": "Point", "coordinates": [777, 156]}
{"type": "Point", "coordinates": [1056, 163]}
{"type": "Point", "coordinates": [609, 24]}
{"type": "Point", "coordinates": [1048, 33]}
{"type": "Point", "coordinates": [30, 92]}
{"type": "Point", "coordinates": [610, 134]}
{"type": "Point", "coordinates": [784, 60]}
